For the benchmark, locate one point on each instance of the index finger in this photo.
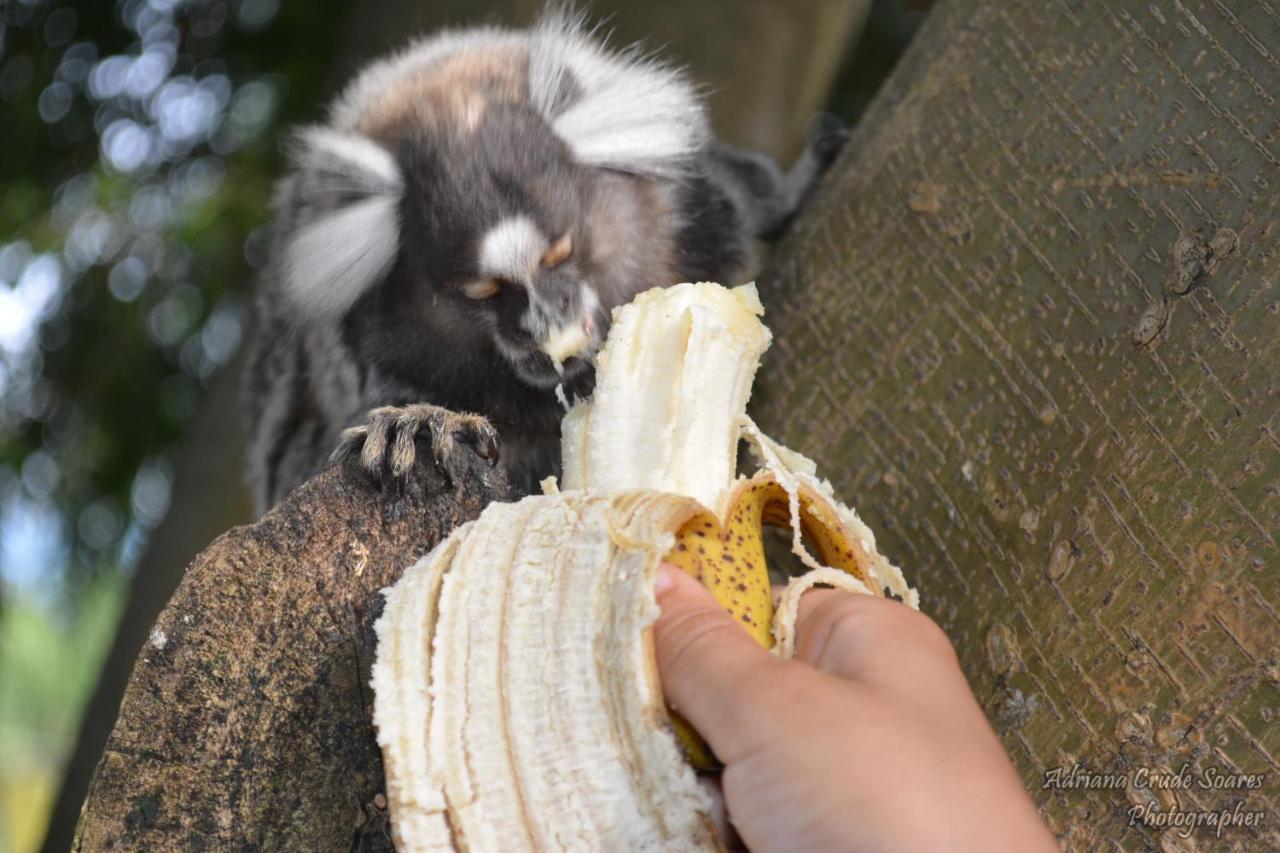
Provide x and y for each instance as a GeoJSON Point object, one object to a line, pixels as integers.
{"type": "Point", "coordinates": [726, 685]}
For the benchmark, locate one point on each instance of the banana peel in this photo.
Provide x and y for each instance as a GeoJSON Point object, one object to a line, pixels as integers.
{"type": "Point", "coordinates": [729, 560]}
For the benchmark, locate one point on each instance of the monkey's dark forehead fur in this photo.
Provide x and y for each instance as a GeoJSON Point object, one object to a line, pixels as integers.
{"type": "Point", "coordinates": [459, 184]}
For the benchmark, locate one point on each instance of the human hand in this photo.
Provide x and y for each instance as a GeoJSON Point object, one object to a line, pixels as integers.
{"type": "Point", "coordinates": [869, 739]}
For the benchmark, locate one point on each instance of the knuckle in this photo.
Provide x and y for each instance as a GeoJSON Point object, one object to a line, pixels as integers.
{"type": "Point", "coordinates": [931, 635]}
{"type": "Point", "coordinates": [844, 625]}
{"type": "Point", "coordinates": [843, 629]}
{"type": "Point", "coordinates": [837, 635]}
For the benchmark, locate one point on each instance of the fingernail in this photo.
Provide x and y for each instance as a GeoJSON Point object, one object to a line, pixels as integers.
{"type": "Point", "coordinates": [665, 579]}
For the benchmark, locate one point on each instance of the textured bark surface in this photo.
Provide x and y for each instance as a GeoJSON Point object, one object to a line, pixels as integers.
{"type": "Point", "coordinates": [1031, 327]}
{"type": "Point", "coordinates": [246, 723]}
{"type": "Point", "coordinates": [209, 498]}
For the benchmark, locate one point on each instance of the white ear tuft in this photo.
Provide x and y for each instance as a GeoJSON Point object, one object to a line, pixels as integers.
{"type": "Point", "coordinates": [615, 110]}
{"type": "Point", "coordinates": [331, 262]}
{"type": "Point", "coordinates": [346, 155]}
{"type": "Point", "coordinates": [343, 219]}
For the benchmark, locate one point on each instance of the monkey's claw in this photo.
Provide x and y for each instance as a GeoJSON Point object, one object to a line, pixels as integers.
{"type": "Point", "coordinates": [827, 136]}
{"type": "Point", "coordinates": [387, 445]}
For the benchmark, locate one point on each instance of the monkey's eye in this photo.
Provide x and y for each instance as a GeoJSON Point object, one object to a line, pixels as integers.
{"type": "Point", "coordinates": [482, 289]}
{"type": "Point", "coordinates": [558, 252]}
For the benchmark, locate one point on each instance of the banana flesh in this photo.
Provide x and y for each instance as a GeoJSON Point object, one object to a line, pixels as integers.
{"type": "Point", "coordinates": [517, 705]}
{"type": "Point", "coordinates": [517, 701]}
{"type": "Point", "coordinates": [672, 385]}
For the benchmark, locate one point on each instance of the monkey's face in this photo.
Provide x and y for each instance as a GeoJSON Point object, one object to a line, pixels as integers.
{"type": "Point", "coordinates": [480, 202]}
{"type": "Point", "coordinates": [534, 292]}
{"type": "Point", "coordinates": [498, 222]}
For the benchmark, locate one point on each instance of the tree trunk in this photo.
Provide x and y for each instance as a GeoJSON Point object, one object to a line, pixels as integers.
{"type": "Point", "coordinates": [208, 498]}
{"type": "Point", "coordinates": [766, 66]}
{"type": "Point", "coordinates": [247, 721]}
{"type": "Point", "coordinates": [1031, 326]}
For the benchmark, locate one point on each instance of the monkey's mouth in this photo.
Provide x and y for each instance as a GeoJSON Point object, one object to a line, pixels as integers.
{"type": "Point", "coordinates": [538, 369]}
{"type": "Point", "coordinates": [565, 353]}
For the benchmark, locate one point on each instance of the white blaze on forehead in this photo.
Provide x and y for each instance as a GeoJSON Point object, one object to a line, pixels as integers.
{"type": "Point", "coordinates": [511, 249]}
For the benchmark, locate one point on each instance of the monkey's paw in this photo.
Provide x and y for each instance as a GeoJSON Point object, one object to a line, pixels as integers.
{"type": "Point", "coordinates": [827, 136]}
{"type": "Point", "coordinates": [387, 444]}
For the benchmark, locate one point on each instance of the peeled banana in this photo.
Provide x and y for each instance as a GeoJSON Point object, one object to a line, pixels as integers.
{"type": "Point", "coordinates": [517, 701]}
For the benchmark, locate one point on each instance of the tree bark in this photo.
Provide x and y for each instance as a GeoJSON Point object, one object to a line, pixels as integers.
{"type": "Point", "coordinates": [766, 66]}
{"type": "Point", "coordinates": [247, 720]}
{"type": "Point", "coordinates": [208, 498]}
{"type": "Point", "coordinates": [1031, 327]}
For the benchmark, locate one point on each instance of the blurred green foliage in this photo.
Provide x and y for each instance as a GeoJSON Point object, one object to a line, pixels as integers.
{"type": "Point", "coordinates": [138, 146]}
{"type": "Point", "coordinates": [47, 663]}
{"type": "Point", "coordinates": [138, 140]}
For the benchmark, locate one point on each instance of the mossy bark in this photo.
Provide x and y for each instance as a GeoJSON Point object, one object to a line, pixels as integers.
{"type": "Point", "coordinates": [247, 721]}
{"type": "Point", "coordinates": [1031, 328]}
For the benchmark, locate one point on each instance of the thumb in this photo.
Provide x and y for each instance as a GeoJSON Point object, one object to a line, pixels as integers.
{"type": "Point", "coordinates": [712, 672]}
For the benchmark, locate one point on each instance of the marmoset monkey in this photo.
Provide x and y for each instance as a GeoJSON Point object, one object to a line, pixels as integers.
{"type": "Point", "coordinates": [448, 247]}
